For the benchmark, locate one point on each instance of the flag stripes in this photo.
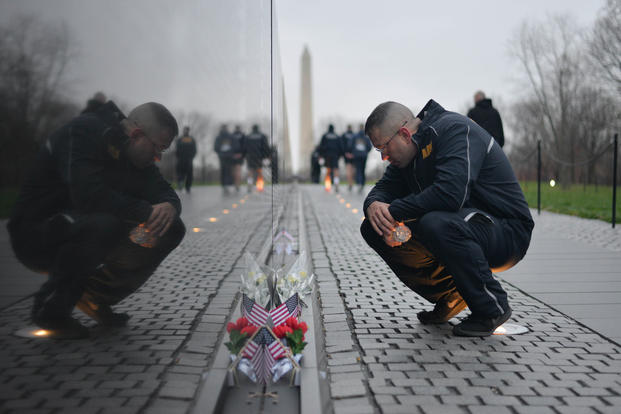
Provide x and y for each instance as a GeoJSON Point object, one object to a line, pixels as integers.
{"type": "Point", "coordinates": [254, 312]}
{"type": "Point", "coordinates": [291, 308]}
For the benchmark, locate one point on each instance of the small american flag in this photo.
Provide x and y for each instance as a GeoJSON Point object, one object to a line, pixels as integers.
{"type": "Point", "coordinates": [291, 308]}
{"type": "Point", "coordinates": [254, 312]}
{"type": "Point", "coordinates": [263, 351]}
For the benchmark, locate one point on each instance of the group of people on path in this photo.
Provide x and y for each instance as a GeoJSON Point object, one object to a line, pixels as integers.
{"type": "Point", "coordinates": [352, 146]}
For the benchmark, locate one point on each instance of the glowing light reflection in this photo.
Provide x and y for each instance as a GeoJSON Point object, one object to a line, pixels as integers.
{"type": "Point", "coordinates": [41, 332]}
{"type": "Point", "coordinates": [213, 219]}
{"type": "Point", "coordinates": [355, 211]}
{"type": "Point", "coordinates": [225, 211]}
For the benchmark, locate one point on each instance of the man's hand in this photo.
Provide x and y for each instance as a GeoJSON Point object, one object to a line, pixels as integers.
{"type": "Point", "coordinates": [161, 218]}
{"type": "Point", "coordinates": [380, 218]}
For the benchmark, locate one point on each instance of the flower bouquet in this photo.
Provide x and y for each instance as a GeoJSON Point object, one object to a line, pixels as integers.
{"type": "Point", "coordinates": [268, 340]}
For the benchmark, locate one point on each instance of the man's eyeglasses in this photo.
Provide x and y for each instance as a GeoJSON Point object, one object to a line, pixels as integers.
{"type": "Point", "coordinates": [382, 147]}
{"type": "Point", "coordinates": [159, 148]}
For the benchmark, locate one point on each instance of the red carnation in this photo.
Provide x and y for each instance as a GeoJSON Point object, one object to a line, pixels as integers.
{"type": "Point", "coordinates": [292, 323]}
{"type": "Point", "coordinates": [303, 327]}
{"type": "Point", "coordinates": [281, 331]}
{"type": "Point", "coordinates": [230, 327]}
{"type": "Point", "coordinates": [242, 322]}
{"type": "Point", "coordinates": [249, 330]}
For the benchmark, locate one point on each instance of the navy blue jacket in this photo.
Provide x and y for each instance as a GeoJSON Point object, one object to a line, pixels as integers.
{"type": "Point", "coordinates": [361, 145]}
{"type": "Point", "coordinates": [458, 167]}
{"type": "Point", "coordinates": [330, 145]}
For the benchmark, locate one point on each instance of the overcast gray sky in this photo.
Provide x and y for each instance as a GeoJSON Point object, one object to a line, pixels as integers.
{"type": "Point", "coordinates": [365, 51]}
{"type": "Point", "coordinates": [213, 55]}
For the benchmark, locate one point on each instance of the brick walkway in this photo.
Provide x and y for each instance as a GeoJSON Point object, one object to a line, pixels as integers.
{"type": "Point", "coordinates": [376, 355]}
{"type": "Point", "coordinates": [381, 358]}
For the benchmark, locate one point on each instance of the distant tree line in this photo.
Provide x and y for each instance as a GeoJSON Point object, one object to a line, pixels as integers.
{"type": "Point", "coordinates": [571, 99]}
{"type": "Point", "coordinates": [33, 59]}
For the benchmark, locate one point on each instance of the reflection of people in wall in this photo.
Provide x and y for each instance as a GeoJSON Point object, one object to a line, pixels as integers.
{"type": "Point", "coordinates": [238, 138]}
{"type": "Point", "coordinates": [257, 149]}
{"type": "Point", "coordinates": [95, 102]}
{"type": "Point", "coordinates": [223, 146]}
{"type": "Point", "coordinates": [185, 150]}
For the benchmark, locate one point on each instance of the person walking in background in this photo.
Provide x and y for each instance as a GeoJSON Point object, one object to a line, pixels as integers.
{"type": "Point", "coordinates": [93, 186]}
{"type": "Point", "coordinates": [361, 145]}
{"type": "Point", "coordinates": [96, 102]}
{"type": "Point", "coordinates": [238, 139]}
{"type": "Point", "coordinates": [453, 187]}
{"type": "Point", "coordinates": [487, 117]}
{"type": "Point", "coordinates": [347, 141]}
{"type": "Point", "coordinates": [331, 149]}
{"type": "Point", "coordinates": [315, 166]}
{"type": "Point", "coordinates": [257, 149]}
{"type": "Point", "coordinates": [185, 151]}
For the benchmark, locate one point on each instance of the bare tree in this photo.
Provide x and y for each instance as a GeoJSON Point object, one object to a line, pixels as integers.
{"type": "Point", "coordinates": [605, 44]}
{"type": "Point", "coordinates": [550, 53]}
{"type": "Point", "coordinates": [33, 59]}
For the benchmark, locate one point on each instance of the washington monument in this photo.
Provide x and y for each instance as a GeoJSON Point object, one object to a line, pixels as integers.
{"type": "Point", "coordinates": [307, 141]}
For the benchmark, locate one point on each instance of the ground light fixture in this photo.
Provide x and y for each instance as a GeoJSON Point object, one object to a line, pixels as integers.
{"type": "Point", "coordinates": [510, 329]}
{"type": "Point", "coordinates": [38, 333]}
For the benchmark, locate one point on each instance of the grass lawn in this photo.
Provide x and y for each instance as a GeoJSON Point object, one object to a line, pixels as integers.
{"type": "Point", "coordinates": [577, 200]}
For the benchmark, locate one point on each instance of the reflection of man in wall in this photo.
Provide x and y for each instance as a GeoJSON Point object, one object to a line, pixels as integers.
{"type": "Point", "coordinates": [185, 150]}
{"type": "Point", "coordinates": [361, 145]}
{"type": "Point", "coordinates": [466, 211]}
{"type": "Point", "coordinates": [94, 181]}
{"type": "Point", "coordinates": [331, 149]}
{"type": "Point", "coordinates": [488, 117]}
{"type": "Point", "coordinates": [347, 141]}
{"type": "Point", "coordinates": [223, 146]}
{"type": "Point", "coordinates": [257, 149]}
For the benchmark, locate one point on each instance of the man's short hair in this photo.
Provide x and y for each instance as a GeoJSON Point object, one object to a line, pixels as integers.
{"type": "Point", "coordinates": [154, 116]}
{"type": "Point", "coordinates": [385, 112]}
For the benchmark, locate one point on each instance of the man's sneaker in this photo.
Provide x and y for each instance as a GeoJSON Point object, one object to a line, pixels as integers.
{"type": "Point", "coordinates": [61, 328]}
{"type": "Point", "coordinates": [102, 313]}
{"type": "Point", "coordinates": [477, 326]}
{"type": "Point", "coordinates": [443, 310]}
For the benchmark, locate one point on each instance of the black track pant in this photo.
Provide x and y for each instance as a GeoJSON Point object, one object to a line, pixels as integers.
{"type": "Point", "coordinates": [456, 251]}
{"type": "Point", "coordinates": [87, 253]}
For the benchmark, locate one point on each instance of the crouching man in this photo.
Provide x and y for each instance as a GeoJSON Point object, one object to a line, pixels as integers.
{"type": "Point", "coordinates": [94, 181]}
{"type": "Point", "coordinates": [452, 185]}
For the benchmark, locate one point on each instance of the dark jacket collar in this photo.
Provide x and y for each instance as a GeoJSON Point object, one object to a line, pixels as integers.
{"type": "Point", "coordinates": [430, 112]}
